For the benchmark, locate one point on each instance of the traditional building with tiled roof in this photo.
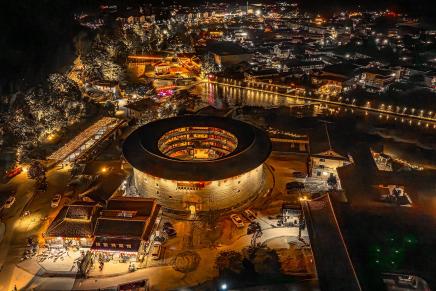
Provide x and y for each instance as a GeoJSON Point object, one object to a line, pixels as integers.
{"type": "Point", "coordinates": [74, 222]}
{"type": "Point", "coordinates": [125, 225]}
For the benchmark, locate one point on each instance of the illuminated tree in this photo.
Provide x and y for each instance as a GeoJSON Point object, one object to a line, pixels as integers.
{"type": "Point", "coordinates": [37, 172]}
{"type": "Point", "coordinates": [209, 65]}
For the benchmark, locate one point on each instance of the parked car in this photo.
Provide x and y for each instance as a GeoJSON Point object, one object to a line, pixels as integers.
{"type": "Point", "coordinates": [14, 172]}
{"type": "Point", "coordinates": [298, 174]}
{"type": "Point", "coordinates": [294, 185]}
{"type": "Point", "coordinates": [237, 220]}
{"type": "Point", "coordinates": [55, 201]}
{"type": "Point", "coordinates": [156, 251]}
{"type": "Point", "coordinates": [169, 229]}
{"type": "Point", "coordinates": [249, 215]}
{"type": "Point", "coordinates": [9, 202]}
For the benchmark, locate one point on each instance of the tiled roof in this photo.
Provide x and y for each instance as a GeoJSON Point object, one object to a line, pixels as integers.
{"type": "Point", "coordinates": [143, 206]}
{"type": "Point", "coordinates": [330, 154]}
{"type": "Point", "coordinates": [119, 227]}
{"type": "Point", "coordinates": [226, 48]}
{"type": "Point", "coordinates": [127, 218]}
{"type": "Point", "coordinates": [141, 150]}
{"type": "Point", "coordinates": [78, 212]}
{"type": "Point", "coordinates": [344, 69]}
{"type": "Point", "coordinates": [72, 221]}
{"type": "Point", "coordinates": [141, 105]}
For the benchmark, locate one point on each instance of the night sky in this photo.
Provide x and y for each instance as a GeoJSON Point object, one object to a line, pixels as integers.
{"type": "Point", "coordinates": [37, 36]}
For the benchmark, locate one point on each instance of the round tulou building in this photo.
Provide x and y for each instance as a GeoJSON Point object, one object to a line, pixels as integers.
{"type": "Point", "coordinates": [198, 163]}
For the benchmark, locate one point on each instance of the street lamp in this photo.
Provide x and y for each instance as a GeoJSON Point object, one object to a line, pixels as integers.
{"type": "Point", "coordinates": [224, 286]}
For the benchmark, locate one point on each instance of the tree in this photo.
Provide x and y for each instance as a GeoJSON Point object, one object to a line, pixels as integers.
{"type": "Point", "coordinates": [208, 64]}
{"type": "Point", "coordinates": [229, 261]}
{"type": "Point", "coordinates": [332, 181]}
{"type": "Point", "coordinates": [255, 229]}
{"type": "Point", "coordinates": [266, 261]}
{"type": "Point", "coordinates": [37, 172]}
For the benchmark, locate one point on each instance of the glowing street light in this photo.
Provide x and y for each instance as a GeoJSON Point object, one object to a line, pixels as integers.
{"type": "Point", "coordinates": [51, 137]}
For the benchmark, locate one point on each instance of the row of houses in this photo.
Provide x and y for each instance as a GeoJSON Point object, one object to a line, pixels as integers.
{"type": "Point", "coordinates": [123, 225]}
{"type": "Point", "coordinates": [323, 157]}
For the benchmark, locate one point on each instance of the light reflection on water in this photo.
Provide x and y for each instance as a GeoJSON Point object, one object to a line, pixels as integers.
{"type": "Point", "coordinates": [220, 96]}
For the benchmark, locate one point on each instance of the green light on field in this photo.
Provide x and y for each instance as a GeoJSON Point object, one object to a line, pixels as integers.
{"type": "Point", "coordinates": [410, 239]}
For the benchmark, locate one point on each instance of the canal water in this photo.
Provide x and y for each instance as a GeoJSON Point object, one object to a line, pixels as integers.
{"type": "Point", "coordinates": [404, 137]}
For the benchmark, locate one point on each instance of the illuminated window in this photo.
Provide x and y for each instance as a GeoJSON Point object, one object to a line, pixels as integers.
{"type": "Point", "coordinates": [216, 141]}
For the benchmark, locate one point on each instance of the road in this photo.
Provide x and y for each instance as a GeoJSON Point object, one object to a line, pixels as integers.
{"type": "Point", "coordinates": [19, 228]}
{"type": "Point", "coordinates": [164, 277]}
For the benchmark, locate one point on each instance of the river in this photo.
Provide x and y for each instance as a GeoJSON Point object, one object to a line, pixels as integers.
{"type": "Point", "coordinates": [407, 138]}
